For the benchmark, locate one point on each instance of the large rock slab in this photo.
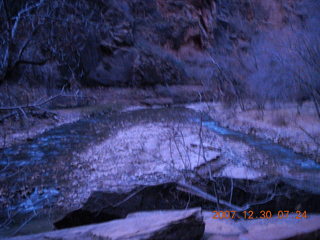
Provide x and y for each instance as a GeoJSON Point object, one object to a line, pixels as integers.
{"type": "Point", "coordinates": [264, 229]}
{"type": "Point", "coordinates": [158, 225]}
{"type": "Point", "coordinates": [107, 206]}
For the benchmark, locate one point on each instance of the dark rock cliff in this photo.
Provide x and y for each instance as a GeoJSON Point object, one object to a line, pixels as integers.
{"type": "Point", "coordinates": [252, 43]}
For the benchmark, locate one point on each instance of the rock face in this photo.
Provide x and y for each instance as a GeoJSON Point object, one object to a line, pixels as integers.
{"type": "Point", "coordinates": [158, 225]}
{"type": "Point", "coordinates": [179, 42]}
{"type": "Point", "coordinates": [130, 52]}
{"type": "Point", "coordinates": [148, 42]}
{"type": "Point", "coordinates": [106, 206]}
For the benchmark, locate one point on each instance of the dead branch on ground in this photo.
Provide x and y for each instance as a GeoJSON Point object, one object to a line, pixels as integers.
{"type": "Point", "coordinates": [36, 105]}
{"type": "Point", "coordinates": [183, 186]}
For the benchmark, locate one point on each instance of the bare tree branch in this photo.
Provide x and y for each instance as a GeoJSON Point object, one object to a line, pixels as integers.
{"type": "Point", "coordinates": [21, 12]}
{"type": "Point", "coordinates": [31, 62]}
{"type": "Point", "coordinates": [198, 192]}
{"type": "Point", "coordinates": [35, 104]}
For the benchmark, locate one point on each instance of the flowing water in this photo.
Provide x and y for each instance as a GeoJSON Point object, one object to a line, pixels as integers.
{"type": "Point", "coordinates": [276, 151]}
{"type": "Point", "coordinates": [302, 172]}
{"type": "Point", "coordinates": [43, 164]}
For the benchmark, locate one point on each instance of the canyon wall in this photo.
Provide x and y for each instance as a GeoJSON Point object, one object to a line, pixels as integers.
{"type": "Point", "coordinates": [234, 46]}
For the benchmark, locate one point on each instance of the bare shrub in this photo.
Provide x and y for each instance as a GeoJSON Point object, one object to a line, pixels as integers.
{"type": "Point", "coordinates": [35, 33]}
{"type": "Point", "coordinates": [228, 87]}
{"type": "Point", "coordinates": [307, 74]}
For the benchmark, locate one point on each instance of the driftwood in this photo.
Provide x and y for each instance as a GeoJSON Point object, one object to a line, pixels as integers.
{"type": "Point", "coordinates": [37, 105]}
{"type": "Point", "coordinates": [185, 187]}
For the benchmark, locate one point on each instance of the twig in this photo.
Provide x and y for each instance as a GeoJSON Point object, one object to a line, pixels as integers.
{"type": "Point", "coordinates": [315, 140]}
{"type": "Point", "coordinates": [35, 104]}
{"type": "Point", "coordinates": [23, 113]}
{"type": "Point", "coordinates": [230, 199]}
{"type": "Point", "coordinates": [262, 201]}
{"type": "Point", "coordinates": [128, 197]}
{"type": "Point", "coordinates": [198, 192]}
{"type": "Point", "coordinates": [25, 223]}
{"type": "Point", "coordinates": [23, 11]}
{"type": "Point", "coordinates": [7, 116]}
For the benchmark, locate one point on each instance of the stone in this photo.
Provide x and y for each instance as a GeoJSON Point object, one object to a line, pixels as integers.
{"type": "Point", "coordinates": [160, 38]}
{"type": "Point", "coordinates": [106, 206]}
{"type": "Point", "coordinates": [157, 225]}
{"type": "Point", "coordinates": [114, 69]}
{"type": "Point", "coordinates": [264, 229]}
{"type": "Point", "coordinates": [154, 66]}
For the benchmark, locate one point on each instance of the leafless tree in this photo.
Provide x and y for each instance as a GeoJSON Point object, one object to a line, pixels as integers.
{"type": "Point", "coordinates": [307, 74]}
{"type": "Point", "coordinates": [15, 40]}
{"type": "Point", "coordinates": [230, 89]}
{"type": "Point", "coordinates": [37, 32]}
{"type": "Point", "coordinates": [39, 36]}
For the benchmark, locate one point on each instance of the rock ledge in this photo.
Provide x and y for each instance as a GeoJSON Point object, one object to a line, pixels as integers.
{"type": "Point", "coordinates": [156, 225]}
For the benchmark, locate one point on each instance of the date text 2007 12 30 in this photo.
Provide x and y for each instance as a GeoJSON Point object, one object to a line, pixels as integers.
{"type": "Point", "coordinates": [263, 214]}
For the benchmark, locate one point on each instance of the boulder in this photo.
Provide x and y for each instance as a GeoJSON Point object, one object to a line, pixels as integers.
{"type": "Point", "coordinates": [106, 206]}
{"type": "Point", "coordinates": [114, 69]}
{"type": "Point", "coordinates": [143, 65]}
{"type": "Point", "coordinates": [151, 42]}
{"type": "Point", "coordinates": [154, 66]}
{"type": "Point", "coordinates": [157, 225]}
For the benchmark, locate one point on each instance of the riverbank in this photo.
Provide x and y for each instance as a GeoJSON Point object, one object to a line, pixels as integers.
{"type": "Point", "coordinates": [118, 150]}
{"type": "Point", "coordinates": [90, 101]}
{"type": "Point", "coordinates": [282, 124]}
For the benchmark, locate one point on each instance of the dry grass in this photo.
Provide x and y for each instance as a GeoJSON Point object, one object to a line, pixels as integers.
{"type": "Point", "coordinates": [282, 124]}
